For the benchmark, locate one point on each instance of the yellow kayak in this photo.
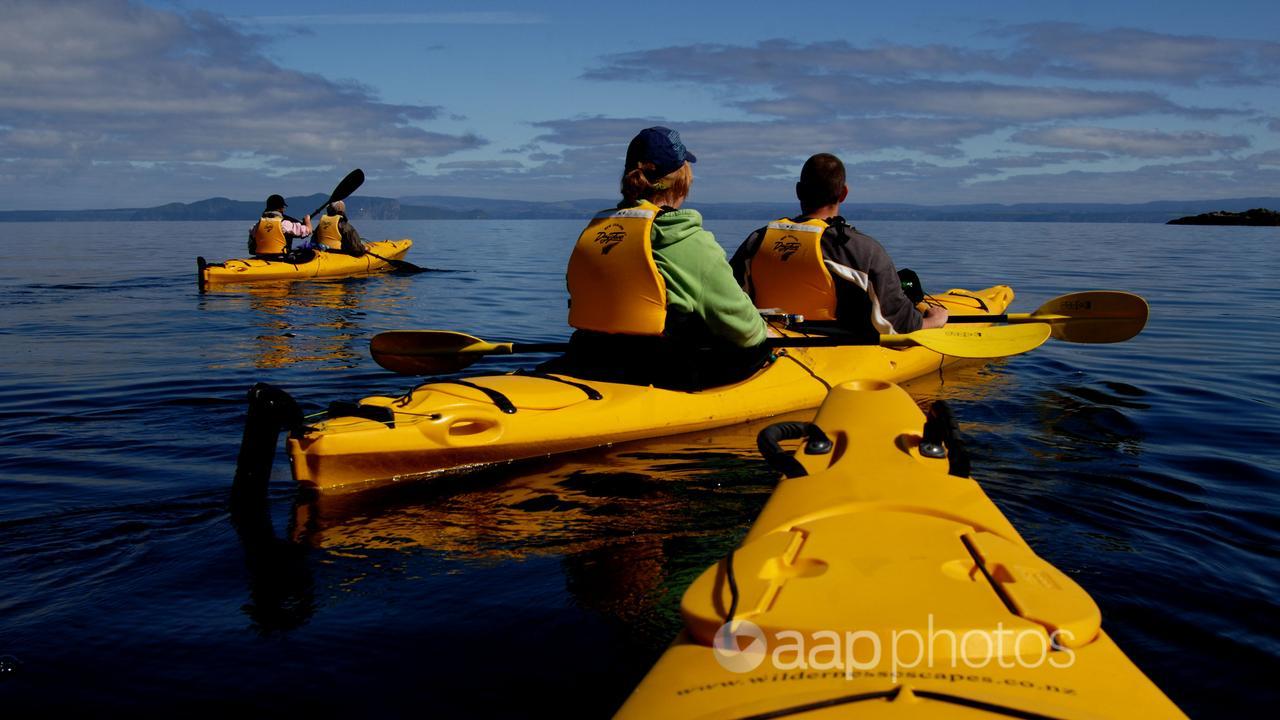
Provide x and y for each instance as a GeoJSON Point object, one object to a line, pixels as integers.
{"type": "Point", "coordinates": [880, 581]}
{"type": "Point", "coordinates": [321, 265]}
{"type": "Point", "coordinates": [452, 425]}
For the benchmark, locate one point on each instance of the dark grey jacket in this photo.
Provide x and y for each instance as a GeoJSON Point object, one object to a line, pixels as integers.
{"type": "Point", "coordinates": [352, 243]}
{"type": "Point", "coordinates": [869, 296]}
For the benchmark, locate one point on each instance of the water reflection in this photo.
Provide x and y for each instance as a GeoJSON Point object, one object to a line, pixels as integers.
{"type": "Point", "coordinates": [966, 382]}
{"type": "Point", "coordinates": [303, 322]}
{"type": "Point", "coordinates": [1084, 421]}
{"type": "Point", "coordinates": [559, 503]}
{"type": "Point", "coordinates": [281, 587]}
{"type": "Point", "coordinates": [555, 506]}
{"type": "Point", "coordinates": [632, 525]}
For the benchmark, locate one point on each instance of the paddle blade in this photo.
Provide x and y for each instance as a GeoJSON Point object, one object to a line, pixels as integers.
{"type": "Point", "coordinates": [404, 267]}
{"type": "Point", "coordinates": [429, 352]}
{"type": "Point", "coordinates": [349, 184]}
{"type": "Point", "coordinates": [1096, 316]}
{"type": "Point", "coordinates": [400, 267]}
{"type": "Point", "coordinates": [965, 342]}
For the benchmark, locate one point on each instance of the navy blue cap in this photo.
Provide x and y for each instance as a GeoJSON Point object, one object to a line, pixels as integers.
{"type": "Point", "coordinates": [660, 146]}
{"type": "Point", "coordinates": [275, 202]}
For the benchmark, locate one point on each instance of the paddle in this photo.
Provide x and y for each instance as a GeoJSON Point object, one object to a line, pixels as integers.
{"type": "Point", "coordinates": [432, 352]}
{"type": "Point", "coordinates": [1095, 316]}
{"type": "Point", "coordinates": [400, 266]}
{"type": "Point", "coordinates": [350, 184]}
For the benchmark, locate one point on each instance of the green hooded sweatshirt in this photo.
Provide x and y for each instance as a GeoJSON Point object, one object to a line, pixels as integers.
{"type": "Point", "coordinates": [700, 281]}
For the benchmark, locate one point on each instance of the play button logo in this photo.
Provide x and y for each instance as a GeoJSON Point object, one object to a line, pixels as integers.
{"type": "Point", "coordinates": [740, 646]}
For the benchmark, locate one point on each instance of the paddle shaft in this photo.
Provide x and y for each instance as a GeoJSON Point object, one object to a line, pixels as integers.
{"type": "Point", "coordinates": [433, 352]}
{"type": "Point", "coordinates": [536, 347]}
{"type": "Point", "coordinates": [518, 348]}
{"type": "Point", "coordinates": [1095, 316]}
{"type": "Point", "coordinates": [1005, 318]}
{"type": "Point", "coordinates": [783, 342]}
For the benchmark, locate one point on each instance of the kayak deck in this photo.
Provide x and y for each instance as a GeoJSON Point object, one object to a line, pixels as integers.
{"type": "Point", "coordinates": [879, 584]}
{"type": "Point", "coordinates": [323, 265]}
{"type": "Point", "coordinates": [448, 426]}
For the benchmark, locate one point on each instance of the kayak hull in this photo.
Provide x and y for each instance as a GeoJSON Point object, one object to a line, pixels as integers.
{"type": "Point", "coordinates": [881, 585]}
{"type": "Point", "coordinates": [444, 427]}
{"type": "Point", "coordinates": [324, 265]}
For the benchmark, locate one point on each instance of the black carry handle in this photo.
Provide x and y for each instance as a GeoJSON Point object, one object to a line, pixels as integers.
{"type": "Point", "coordinates": [942, 439]}
{"type": "Point", "coordinates": [770, 443]}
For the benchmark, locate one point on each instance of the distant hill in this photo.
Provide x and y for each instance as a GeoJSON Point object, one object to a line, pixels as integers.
{"type": "Point", "coordinates": [1253, 216]}
{"type": "Point", "coordinates": [445, 207]}
{"type": "Point", "coordinates": [1151, 212]}
{"type": "Point", "coordinates": [373, 208]}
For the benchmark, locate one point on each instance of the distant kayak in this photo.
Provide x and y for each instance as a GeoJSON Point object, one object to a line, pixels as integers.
{"type": "Point", "coordinates": [318, 265]}
{"type": "Point", "coordinates": [880, 581]}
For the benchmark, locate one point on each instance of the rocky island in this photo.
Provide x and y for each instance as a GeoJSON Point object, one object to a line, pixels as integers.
{"type": "Point", "coordinates": [1256, 216]}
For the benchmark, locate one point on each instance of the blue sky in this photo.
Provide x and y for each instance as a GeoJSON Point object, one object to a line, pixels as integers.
{"type": "Point", "coordinates": [119, 103]}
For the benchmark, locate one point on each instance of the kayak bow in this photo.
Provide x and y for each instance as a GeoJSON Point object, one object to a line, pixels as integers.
{"type": "Point", "coordinates": [880, 581]}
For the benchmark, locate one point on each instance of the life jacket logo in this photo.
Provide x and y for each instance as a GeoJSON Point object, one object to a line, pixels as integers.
{"type": "Point", "coordinates": [609, 237]}
{"type": "Point", "coordinates": [787, 246]}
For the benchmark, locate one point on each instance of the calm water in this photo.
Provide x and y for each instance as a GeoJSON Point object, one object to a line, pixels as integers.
{"type": "Point", "coordinates": [1147, 470]}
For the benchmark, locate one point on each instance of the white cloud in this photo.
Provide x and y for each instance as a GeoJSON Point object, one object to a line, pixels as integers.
{"type": "Point", "coordinates": [111, 81]}
{"type": "Point", "coordinates": [1071, 50]}
{"type": "Point", "coordinates": [114, 103]}
{"type": "Point", "coordinates": [1134, 143]}
{"type": "Point", "coordinates": [423, 18]}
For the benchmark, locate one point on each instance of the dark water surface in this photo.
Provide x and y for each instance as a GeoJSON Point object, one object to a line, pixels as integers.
{"type": "Point", "coordinates": [1148, 470]}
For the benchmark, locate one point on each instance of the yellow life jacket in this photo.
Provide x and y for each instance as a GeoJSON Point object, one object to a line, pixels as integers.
{"type": "Point", "coordinates": [614, 284]}
{"type": "Point", "coordinates": [788, 272]}
{"type": "Point", "coordinates": [268, 236]}
{"type": "Point", "coordinates": [327, 233]}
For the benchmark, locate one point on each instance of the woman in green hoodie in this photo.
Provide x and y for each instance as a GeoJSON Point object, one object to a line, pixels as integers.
{"type": "Point", "coordinates": [651, 294]}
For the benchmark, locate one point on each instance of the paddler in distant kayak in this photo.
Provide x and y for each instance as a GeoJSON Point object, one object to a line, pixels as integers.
{"type": "Point", "coordinates": [650, 292]}
{"type": "Point", "coordinates": [819, 266]}
{"type": "Point", "coordinates": [335, 233]}
{"type": "Point", "coordinates": [272, 236]}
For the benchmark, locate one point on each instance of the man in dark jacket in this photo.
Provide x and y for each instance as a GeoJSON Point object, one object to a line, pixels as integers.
{"type": "Point", "coordinates": [820, 266]}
